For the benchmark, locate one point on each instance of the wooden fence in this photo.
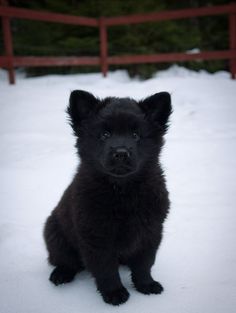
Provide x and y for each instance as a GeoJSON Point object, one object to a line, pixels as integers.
{"type": "Point", "coordinates": [9, 61]}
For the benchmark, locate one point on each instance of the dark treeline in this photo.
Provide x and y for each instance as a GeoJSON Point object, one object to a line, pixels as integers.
{"type": "Point", "coordinates": [39, 38]}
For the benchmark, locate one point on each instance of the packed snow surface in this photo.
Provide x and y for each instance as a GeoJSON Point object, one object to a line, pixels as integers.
{"type": "Point", "coordinates": [196, 262]}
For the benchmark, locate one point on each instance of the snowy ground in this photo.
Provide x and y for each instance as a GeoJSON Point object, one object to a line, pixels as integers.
{"type": "Point", "coordinates": [197, 260]}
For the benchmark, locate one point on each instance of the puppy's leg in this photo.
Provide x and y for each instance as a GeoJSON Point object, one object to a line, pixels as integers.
{"type": "Point", "coordinates": [140, 266]}
{"type": "Point", "coordinates": [103, 265]}
{"type": "Point", "coordinates": [61, 254]}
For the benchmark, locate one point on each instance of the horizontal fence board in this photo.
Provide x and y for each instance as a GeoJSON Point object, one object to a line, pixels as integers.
{"type": "Point", "coordinates": [124, 59]}
{"type": "Point", "coordinates": [172, 57]}
{"type": "Point", "coordinates": [47, 16]}
{"type": "Point", "coordinates": [50, 61]}
{"type": "Point", "coordinates": [171, 15]}
{"type": "Point", "coordinates": [119, 20]}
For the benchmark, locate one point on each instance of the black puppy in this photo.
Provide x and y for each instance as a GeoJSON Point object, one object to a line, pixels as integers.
{"type": "Point", "coordinates": [113, 211]}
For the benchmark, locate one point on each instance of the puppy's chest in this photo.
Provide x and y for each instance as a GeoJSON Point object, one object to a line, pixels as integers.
{"type": "Point", "coordinates": [133, 226]}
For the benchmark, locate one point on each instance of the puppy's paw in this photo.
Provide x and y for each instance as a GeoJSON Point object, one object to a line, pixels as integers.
{"type": "Point", "coordinates": [61, 275]}
{"type": "Point", "coordinates": [151, 288]}
{"type": "Point", "coordinates": [115, 297]}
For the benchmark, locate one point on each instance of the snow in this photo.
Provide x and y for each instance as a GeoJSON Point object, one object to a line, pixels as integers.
{"type": "Point", "coordinates": [194, 50]}
{"type": "Point", "coordinates": [197, 260]}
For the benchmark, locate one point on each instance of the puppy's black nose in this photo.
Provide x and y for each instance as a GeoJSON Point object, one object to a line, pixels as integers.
{"type": "Point", "coordinates": [121, 154]}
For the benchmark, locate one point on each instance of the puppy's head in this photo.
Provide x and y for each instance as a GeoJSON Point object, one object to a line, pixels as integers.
{"type": "Point", "coordinates": [119, 136]}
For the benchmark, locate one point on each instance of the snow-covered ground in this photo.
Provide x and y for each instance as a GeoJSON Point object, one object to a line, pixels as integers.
{"type": "Point", "coordinates": [197, 260]}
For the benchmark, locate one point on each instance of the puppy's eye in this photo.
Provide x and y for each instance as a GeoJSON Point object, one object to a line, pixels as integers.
{"type": "Point", "coordinates": [136, 136]}
{"type": "Point", "coordinates": [105, 135]}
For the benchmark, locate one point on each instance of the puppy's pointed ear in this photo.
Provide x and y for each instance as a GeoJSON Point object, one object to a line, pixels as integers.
{"type": "Point", "coordinates": [157, 109]}
{"type": "Point", "coordinates": [82, 105]}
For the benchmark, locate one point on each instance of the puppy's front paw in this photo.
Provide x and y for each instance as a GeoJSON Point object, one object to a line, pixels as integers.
{"type": "Point", "coordinates": [61, 275]}
{"type": "Point", "coordinates": [151, 288]}
{"type": "Point", "coordinates": [115, 297]}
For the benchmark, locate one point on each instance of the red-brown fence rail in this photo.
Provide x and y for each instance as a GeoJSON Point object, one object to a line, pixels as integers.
{"type": "Point", "coordinates": [9, 61]}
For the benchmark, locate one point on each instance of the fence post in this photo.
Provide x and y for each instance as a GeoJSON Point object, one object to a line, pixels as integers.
{"type": "Point", "coordinates": [103, 46]}
{"type": "Point", "coordinates": [6, 28]}
{"type": "Point", "coordinates": [232, 36]}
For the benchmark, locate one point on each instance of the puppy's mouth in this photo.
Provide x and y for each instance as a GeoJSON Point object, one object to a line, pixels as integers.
{"type": "Point", "coordinates": [121, 171]}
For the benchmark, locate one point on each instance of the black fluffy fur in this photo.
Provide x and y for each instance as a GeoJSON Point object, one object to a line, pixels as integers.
{"type": "Point", "coordinates": [113, 211]}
